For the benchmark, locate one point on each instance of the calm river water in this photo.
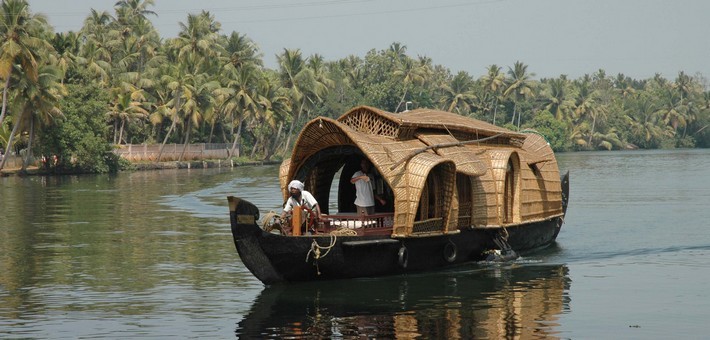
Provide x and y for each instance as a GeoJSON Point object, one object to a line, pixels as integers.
{"type": "Point", "coordinates": [150, 254]}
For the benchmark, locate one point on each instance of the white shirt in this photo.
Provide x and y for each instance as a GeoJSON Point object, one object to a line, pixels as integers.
{"type": "Point", "coordinates": [363, 191]}
{"type": "Point", "coordinates": [306, 199]}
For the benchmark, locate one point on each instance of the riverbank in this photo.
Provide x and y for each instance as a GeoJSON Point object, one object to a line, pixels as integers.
{"type": "Point", "coordinates": [144, 166]}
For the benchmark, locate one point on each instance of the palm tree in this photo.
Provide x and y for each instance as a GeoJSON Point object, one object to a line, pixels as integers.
{"type": "Point", "coordinates": [21, 43]}
{"type": "Point", "coordinates": [199, 102]}
{"type": "Point", "coordinates": [241, 50]}
{"type": "Point", "coordinates": [397, 52]}
{"type": "Point", "coordinates": [134, 9]}
{"type": "Point", "coordinates": [493, 82]}
{"type": "Point", "coordinates": [134, 36]}
{"type": "Point", "coordinates": [197, 42]}
{"type": "Point", "coordinates": [67, 47]}
{"type": "Point", "coordinates": [556, 100]}
{"type": "Point", "coordinates": [520, 86]}
{"type": "Point", "coordinates": [174, 78]}
{"type": "Point", "coordinates": [37, 106]}
{"type": "Point", "coordinates": [624, 86]}
{"type": "Point", "coordinates": [273, 105]}
{"type": "Point", "coordinates": [127, 105]}
{"type": "Point", "coordinates": [96, 25]}
{"type": "Point", "coordinates": [684, 85]}
{"type": "Point", "coordinates": [237, 98]}
{"type": "Point", "coordinates": [303, 84]}
{"type": "Point", "coordinates": [94, 52]}
{"type": "Point", "coordinates": [671, 111]}
{"type": "Point", "coordinates": [459, 94]}
{"type": "Point", "coordinates": [641, 119]}
{"type": "Point", "coordinates": [352, 66]}
{"type": "Point", "coordinates": [409, 73]}
{"type": "Point", "coordinates": [592, 102]}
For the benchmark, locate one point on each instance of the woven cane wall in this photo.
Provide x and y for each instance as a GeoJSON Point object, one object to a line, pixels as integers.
{"type": "Point", "coordinates": [542, 192]}
{"type": "Point", "coordinates": [283, 177]}
{"type": "Point", "coordinates": [484, 200]}
{"type": "Point", "coordinates": [402, 184]}
{"type": "Point", "coordinates": [367, 120]}
{"type": "Point", "coordinates": [537, 192]}
{"type": "Point", "coordinates": [406, 203]}
{"type": "Point", "coordinates": [465, 157]}
{"type": "Point", "coordinates": [316, 135]}
{"type": "Point", "coordinates": [499, 165]}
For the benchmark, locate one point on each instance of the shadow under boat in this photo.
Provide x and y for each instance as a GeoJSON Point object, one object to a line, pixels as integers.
{"type": "Point", "coordinates": [475, 300]}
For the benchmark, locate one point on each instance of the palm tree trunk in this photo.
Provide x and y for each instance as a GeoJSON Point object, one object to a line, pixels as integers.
{"type": "Point", "coordinates": [235, 145]}
{"type": "Point", "coordinates": [9, 144]}
{"type": "Point", "coordinates": [495, 109]}
{"type": "Point", "coordinates": [268, 149]}
{"type": "Point", "coordinates": [275, 143]}
{"type": "Point", "coordinates": [591, 133]}
{"type": "Point", "coordinates": [401, 100]}
{"type": "Point", "coordinates": [115, 131]}
{"type": "Point", "coordinates": [519, 115]}
{"type": "Point", "coordinates": [209, 139]}
{"type": "Point", "coordinates": [4, 99]}
{"type": "Point", "coordinates": [256, 145]}
{"type": "Point", "coordinates": [290, 130]}
{"type": "Point", "coordinates": [172, 126]}
{"type": "Point", "coordinates": [28, 156]}
{"type": "Point", "coordinates": [187, 139]}
{"type": "Point", "coordinates": [515, 107]}
{"type": "Point", "coordinates": [167, 135]}
{"type": "Point", "coordinates": [452, 106]}
{"type": "Point", "coordinates": [120, 134]}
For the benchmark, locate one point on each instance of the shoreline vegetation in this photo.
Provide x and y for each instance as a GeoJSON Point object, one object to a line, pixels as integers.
{"type": "Point", "coordinates": [144, 166]}
{"type": "Point", "coordinates": [76, 97]}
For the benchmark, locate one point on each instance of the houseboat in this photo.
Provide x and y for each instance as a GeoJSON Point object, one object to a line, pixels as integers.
{"type": "Point", "coordinates": [455, 189]}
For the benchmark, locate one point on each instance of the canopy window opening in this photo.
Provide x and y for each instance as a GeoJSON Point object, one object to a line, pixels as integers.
{"type": "Point", "coordinates": [347, 193]}
{"type": "Point", "coordinates": [510, 192]}
{"type": "Point", "coordinates": [434, 202]}
{"type": "Point", "coordinates": [333, 165]}
{"type": "Point", "coordinates": [464, 193]}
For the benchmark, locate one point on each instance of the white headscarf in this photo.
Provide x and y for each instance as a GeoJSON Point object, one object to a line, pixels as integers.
{"type": "Point", "coordinates": [296, 184]}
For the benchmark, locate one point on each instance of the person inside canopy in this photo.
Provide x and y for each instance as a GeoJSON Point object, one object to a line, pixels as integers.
{"type": "Point", "coordinates": [364, 194]}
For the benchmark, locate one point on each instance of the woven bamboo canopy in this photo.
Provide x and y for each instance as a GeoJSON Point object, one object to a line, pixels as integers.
{"type": "Point", "coordinates": [420, 154]}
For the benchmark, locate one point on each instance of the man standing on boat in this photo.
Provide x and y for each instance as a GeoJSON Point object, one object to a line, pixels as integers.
{"type": "Point", "coordinates": [364, 195]}
{"type": "Point", "coordinates": [300, 197]}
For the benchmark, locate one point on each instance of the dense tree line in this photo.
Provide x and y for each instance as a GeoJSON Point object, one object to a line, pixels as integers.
{"type": "Point", "coordinates": [79, 94]}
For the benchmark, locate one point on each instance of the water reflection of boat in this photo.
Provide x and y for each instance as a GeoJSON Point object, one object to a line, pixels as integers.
{"type": "Point", "coordinates": [456, 187]}
{"type": "Point", "coordinates": [472, 302]}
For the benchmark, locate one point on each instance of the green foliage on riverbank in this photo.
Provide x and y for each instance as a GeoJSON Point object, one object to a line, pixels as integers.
{"type": "Point", "coordinates": [78, 139]}
{"type": "Point", "coordinates": [116, 81]}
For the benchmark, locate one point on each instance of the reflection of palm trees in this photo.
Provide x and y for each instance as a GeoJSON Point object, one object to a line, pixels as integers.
{"type": "Point", "coordinates": [475, 301]}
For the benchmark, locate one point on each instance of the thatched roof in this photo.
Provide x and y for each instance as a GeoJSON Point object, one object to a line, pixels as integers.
{"type": "Point", "coordinates": [391, 140]}
{"type": "Point", "coordinates": [404, 125]}
{"type": "Point", "coordinates": [406, 148]}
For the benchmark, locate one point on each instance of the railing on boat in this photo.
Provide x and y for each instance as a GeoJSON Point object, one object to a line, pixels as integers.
{"type": "Point", "coordinates": [361, 224]}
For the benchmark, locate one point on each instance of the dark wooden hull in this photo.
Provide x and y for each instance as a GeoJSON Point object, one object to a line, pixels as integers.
{"type": "Point", "coordinates": [276, 258]}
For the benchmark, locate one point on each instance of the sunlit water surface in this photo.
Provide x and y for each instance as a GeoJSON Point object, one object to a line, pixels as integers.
{"type": "Point", "coordinates": [150, 254]}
